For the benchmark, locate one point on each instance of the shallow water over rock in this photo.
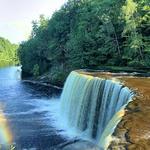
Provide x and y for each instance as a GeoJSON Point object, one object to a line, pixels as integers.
{"type": "Point", "coordinates": [133, 132]}
{"type": "Point", "coordinates": [136, 123]}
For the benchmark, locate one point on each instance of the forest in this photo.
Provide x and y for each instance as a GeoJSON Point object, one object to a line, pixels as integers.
{"type": "Point", "coordinates": [8, 53]}
{"type": "Point", "coordinates": [88, 34]}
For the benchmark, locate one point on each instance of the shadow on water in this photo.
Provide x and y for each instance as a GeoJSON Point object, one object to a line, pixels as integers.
{"type": "Point", "coordinates": [27, 110]}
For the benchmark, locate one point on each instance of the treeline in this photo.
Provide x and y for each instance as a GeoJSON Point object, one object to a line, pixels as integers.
{"type": "Point", "coordinates": [89, 34]}
{"type": "Point", "coordinates": [8, 53]}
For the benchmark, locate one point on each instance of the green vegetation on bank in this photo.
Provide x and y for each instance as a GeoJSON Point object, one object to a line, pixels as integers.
{"type": "Point", "coordinates": [88, 34]}
{"type": "Point", "coordinates": [8, 53]}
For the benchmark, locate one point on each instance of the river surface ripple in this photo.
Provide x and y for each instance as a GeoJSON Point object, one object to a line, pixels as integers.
{"type": "Point", "coordinates": [27, 109]}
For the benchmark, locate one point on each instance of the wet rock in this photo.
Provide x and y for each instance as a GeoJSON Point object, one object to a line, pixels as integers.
{"type": "Point", "coordinates": [133, 107]}
{"type": "Point", "coordinates": [136, 122]}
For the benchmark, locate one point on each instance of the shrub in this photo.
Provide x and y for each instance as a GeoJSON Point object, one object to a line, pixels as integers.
{"type": "Point", "coordinates": [35, 70]}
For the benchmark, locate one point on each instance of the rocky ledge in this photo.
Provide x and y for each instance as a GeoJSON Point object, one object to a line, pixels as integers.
{"type": "Point", "coordinates": [133, 132]}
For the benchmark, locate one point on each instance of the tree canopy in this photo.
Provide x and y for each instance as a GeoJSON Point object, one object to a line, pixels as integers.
{"type": "Point", "coordinates": [89, 34]}
{"type": "Point", "coordinates": [8, 53]}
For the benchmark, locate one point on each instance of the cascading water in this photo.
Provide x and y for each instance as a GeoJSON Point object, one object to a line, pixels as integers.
{"type": "Point", "coordinates": [93, 106]}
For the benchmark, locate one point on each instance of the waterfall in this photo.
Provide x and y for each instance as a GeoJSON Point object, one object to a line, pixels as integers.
{"type": "Point", "coordinates": [93, 106]}
{"type": "Point", "coordinates": [11, 73]}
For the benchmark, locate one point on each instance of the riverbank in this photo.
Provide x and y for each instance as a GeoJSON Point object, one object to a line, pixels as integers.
{"type": "Point", "coordinates": [48, 78]}
{"type": "Point", "coordinates": [36, 82]}
{"type": "Point", "coordinates": [57, 79]}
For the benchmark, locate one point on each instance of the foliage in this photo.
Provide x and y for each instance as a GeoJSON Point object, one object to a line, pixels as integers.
{"type": "Point", "coordinates": [35, 70]}
{"type": "Point", "coordinates": [8, 53]}
{"type": "Point", "coordinates": [89, 34]}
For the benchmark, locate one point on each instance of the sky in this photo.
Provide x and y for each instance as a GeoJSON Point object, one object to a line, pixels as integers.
{"type": "Point", "coordinates": [16, 16]}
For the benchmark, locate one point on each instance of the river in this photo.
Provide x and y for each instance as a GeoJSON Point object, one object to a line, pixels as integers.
{"type": "Point", "coordinates": [27, 110]}
{"type": "Point", "coordinates": [30, 115]}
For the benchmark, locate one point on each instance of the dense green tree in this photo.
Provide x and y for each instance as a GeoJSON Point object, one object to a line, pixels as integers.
{"type": "Point", "coordinates": [136, 16]}
{"type": "Point", "coordinates": [8, 53]}
{"type": "Point", "coordinates": [89, 34]}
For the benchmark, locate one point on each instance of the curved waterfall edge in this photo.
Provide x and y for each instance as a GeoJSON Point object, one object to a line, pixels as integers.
{"type": "Point", "coordinates": [75, 106]}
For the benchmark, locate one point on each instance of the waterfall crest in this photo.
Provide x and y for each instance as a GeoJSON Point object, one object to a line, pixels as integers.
{"type": "Point", "coordinates": [93, 106]}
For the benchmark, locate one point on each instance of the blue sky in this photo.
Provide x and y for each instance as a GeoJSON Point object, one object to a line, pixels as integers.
{"type": "Point", "coordinates": [16, 16]}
